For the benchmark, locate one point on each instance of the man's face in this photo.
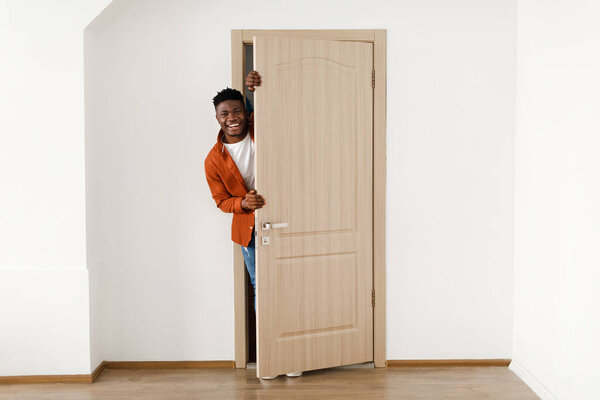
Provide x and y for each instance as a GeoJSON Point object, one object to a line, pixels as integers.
{"type": "Point", "coordinates": [231, 115]}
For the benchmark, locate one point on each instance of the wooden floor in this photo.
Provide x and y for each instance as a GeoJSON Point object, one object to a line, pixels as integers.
{"type": "Point", "coordinates": [422, 383]}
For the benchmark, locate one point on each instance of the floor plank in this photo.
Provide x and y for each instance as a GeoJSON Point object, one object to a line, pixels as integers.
{"type": "Point", "coordinates": [408, 383]}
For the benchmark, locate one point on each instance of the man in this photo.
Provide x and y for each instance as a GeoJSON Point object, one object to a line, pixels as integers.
{"type": "Point", "coordinates": [229, 169]}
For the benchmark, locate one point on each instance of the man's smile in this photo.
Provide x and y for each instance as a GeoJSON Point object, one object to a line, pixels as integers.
{"type": "Point", "coordinates": [234, 129]}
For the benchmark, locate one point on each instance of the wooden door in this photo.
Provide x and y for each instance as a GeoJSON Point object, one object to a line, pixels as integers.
{"type": "Point", "coordinates": [313, 132]}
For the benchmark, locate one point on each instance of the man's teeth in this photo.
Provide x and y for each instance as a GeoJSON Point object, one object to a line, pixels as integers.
{"type": "Point", "coordinates": [234, 125]}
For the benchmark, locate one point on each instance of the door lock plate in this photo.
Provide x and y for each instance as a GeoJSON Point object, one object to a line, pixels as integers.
{"type": "Point", "coordinates": [266, 240]}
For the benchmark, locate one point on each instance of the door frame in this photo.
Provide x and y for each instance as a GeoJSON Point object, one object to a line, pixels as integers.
{"type": "Point", "coordinates": [240, 37]}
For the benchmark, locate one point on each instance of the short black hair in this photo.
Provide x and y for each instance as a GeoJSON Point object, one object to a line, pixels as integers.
{"type": "Point", "coordinates": [228, 94]}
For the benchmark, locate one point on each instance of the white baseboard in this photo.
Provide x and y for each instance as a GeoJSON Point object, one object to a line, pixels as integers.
{"type": "Point", "coordinates": [531, 381]}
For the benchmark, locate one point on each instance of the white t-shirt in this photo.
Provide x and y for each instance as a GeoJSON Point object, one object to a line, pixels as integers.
{"type": "Point", "coordinates": [243, 155]}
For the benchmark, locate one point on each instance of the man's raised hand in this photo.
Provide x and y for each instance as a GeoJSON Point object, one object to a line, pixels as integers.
{"type": "Point", "coordinates": [253, 79]}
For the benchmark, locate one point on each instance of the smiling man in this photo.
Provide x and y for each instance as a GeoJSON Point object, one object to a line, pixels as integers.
{"type": "Point", "coordinates": [229, 169]}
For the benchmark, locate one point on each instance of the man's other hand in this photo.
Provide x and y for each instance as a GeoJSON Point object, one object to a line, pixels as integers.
{"type": "Point", "coordinates": [253, 201]}
{"type": "Point", "coordinates": [253, 79]}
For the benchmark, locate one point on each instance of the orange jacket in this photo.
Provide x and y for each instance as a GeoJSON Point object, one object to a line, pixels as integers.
{"type": "Point", "coordinates": [228, 188]}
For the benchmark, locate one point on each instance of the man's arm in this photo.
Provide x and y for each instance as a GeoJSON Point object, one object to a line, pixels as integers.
{"type": "Point", "coordinates": [225, 200]}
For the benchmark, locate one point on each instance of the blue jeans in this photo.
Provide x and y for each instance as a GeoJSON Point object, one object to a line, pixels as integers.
{"type": "Point", "coordinates": [250, 261]}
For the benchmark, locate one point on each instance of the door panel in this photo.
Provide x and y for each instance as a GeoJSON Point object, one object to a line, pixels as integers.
{"type": "Point", "coordinates": [313, 131]}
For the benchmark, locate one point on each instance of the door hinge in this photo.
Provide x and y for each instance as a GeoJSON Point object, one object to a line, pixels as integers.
{"type": "Point", "coordinates": [373, 78]}
{"type": "Point", "coordinates": [373, 298]}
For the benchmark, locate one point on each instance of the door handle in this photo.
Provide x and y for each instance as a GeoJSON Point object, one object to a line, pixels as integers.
{"type": "Point", "coordinates": [266, 226]}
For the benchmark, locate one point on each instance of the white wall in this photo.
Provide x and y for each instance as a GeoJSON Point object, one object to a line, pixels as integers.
{"type": "Point", "coordinates": [44, 312]}
{"type": "Point", "coordinates": [557, 195]}
{"type": "Point", "coordinates": [159, 250]}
